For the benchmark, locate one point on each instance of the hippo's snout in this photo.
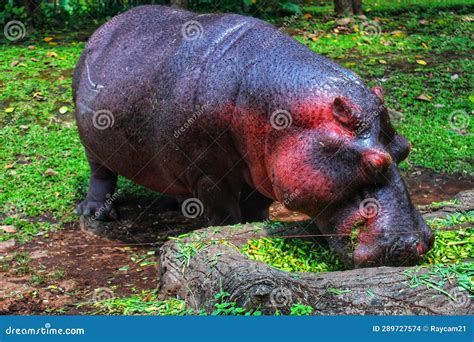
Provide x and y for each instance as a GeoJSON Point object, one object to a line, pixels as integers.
{"type": "Point", "coordinates": [380, 226]}
{"type": "Point", "coordinates": [400, 249]}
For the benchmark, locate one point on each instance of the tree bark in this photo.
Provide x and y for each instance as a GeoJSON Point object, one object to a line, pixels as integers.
{"type": "Point", "coordinates": [347, 7]}
{"type": "Point", "coordinates": [32, 9]}
{"type": "Point", "coordinates": [217, 266]}
{"type": "Point", "coordinates": [179, 3]}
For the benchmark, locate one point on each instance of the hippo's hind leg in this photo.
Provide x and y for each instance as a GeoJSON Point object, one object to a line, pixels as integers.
{"type": "Point", "coordinates": [220, 201]}
{"type": "Point", "coordinates": [98, 203]}
{"type": "Point", "coordinates": [253, 205]}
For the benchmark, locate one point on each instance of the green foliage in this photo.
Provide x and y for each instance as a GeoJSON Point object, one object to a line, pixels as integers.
{"type": "Point", "coordinates": [437, 275]}
{"type": "Point", "coordinates": [293, 255]}
{"type": "Point", "coordinates": [143, 303]}
{"type": "Point", "coordinates": [146, 303]}
{"type": "Point", "coordinates": [451, 246]}
{"type": "Point", "coordinates": [26, 230]}
{"type": "Point", "coordinates": [453, 219]}
{"type": "Point", "coordinates": [301, 310]}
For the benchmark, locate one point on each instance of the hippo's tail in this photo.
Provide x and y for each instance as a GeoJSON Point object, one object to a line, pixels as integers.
{"type": "Point", "coordinates": [77, 74]}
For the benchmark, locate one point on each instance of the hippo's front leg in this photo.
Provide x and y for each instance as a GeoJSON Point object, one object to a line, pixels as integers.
{"type": "Point", "coordinates": [220, 201]}
{"type": "Point", "coordinates": [253, 205]}
{"type": "Point", "coordinates": [102, 184]}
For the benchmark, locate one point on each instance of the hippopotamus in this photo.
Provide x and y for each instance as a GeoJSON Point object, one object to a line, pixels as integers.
{"type": "Point", "coordinates": [231, 112]}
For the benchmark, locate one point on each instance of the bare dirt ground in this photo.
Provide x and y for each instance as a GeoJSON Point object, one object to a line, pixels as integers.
{"type": "Point", "coordinates": [72, 266]}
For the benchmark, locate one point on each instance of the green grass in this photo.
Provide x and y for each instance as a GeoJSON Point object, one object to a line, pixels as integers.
{"type": "Point", "coordinates": [297, 255]}
{"type": "Point", "coordinates": [392, 6]}
{"type": "Point", "coordinates": [437, 275]}
{"type": "Point", "coordinates": [144, 302]}
{"type": "Point", "coordinates": [292, 255]}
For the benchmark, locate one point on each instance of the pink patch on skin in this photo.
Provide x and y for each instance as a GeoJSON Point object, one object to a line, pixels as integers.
{"type": "Point", "coordinates": [295, 173]}
{"type": "Point", "coordinates": [368, 236]}
{"type": "Point", "coordinates": [250, 132]}
{"type": "Point", "coordinates": [420, 248]}
{"type": "Point", "coordinates": [260, 144]}
{"type": "Point", "coordinates": [317, 113]}
{"type": "Point", "coordinates": [378, 159]}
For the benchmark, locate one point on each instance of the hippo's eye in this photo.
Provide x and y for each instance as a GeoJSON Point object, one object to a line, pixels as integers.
{"type": "Point", "coordinates": [342, 112]}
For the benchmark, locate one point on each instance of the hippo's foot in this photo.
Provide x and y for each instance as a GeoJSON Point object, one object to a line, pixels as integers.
{"type": "Point", "coordinates": [98, 204]}
{"type": "Point", "coordinates": [98, 210]}
{"type": "Point", "coordinates": [219, 201]}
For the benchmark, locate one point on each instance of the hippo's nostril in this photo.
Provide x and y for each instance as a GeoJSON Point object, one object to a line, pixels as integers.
{"type": "Point", "coordinates": [419, 248]}
{"type": "Point", "coordinates": [377, 159]}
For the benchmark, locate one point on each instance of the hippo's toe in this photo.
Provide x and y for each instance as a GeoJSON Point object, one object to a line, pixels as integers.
{"type": "Point", "coordinates": [97, 210]}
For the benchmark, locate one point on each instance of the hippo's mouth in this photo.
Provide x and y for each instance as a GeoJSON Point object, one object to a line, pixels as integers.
{"type": "Point", "coordinates": [367, 244]}
{"type": "Point", "coordinates": [373, 229]}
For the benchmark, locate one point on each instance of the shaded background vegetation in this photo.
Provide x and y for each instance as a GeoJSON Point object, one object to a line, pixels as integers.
{"type": "Point", "coordinates": [90, 13]}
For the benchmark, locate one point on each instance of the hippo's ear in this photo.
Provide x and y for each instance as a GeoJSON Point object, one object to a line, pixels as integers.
{"type": "Point", "coordinates": [379, 92]}
{"type": "Point", "coordinates": [342, 111]}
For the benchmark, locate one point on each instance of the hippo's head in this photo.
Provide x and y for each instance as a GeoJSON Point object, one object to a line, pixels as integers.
{"type": "Point", "coordinates": [338, 164]}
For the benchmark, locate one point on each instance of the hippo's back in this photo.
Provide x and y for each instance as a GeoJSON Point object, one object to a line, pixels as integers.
{"type": "Point", "coordinates": [156, 69]}
{"type": "Point", "coordinates": [149, 68]}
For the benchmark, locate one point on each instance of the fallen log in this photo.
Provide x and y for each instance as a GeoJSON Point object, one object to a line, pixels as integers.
{"type": "Point", "coordinates": [206, 262]}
